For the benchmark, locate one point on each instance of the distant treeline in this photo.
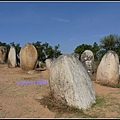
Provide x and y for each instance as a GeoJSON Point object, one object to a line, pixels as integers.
{"type": "Point", "coordinates": [110, 42]}
{"type": "Point", "coordinates": [44, 50]}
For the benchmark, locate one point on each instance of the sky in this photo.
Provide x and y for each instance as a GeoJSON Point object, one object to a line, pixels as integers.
{"type": "Point", "coordinates": [68, 24]}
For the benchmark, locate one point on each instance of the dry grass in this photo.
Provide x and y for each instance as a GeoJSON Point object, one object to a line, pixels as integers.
{"type": "Point", "coordinates": [21, 102]}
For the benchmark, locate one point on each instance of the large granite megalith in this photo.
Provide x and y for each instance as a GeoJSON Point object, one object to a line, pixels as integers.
{"type": "Point", "coordinates": [28, 57]}
{"type": "Point", "coordinates": [119, 70]}
{"type": "Point", "coordinates": [108, 69]}
{"type": "Point", "coordinates": [3, 54]}
{"type": "Point", "coordinates": [70, 82]}
{"type": "Point", "coordinates": [48, 63]}
{"type": "Point", "coordinates": [87, 58]}
{"type": "Point", "coordinates": [12, 61]}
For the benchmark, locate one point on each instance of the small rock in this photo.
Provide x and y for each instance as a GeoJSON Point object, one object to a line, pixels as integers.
{"type": "Point", "coordinates": [39, 97]}
{"type": "Point", "coordinates": [31, 71]}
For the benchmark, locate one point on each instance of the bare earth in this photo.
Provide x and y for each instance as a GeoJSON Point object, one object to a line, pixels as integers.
{"type": "Point", "coordinates": [20, 101]}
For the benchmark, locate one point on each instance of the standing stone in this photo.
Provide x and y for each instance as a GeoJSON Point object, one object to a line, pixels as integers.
{"type": "Point", "coordinates": [119, 70]}
{"type": "Point", "coordinates": [87, 58]}
{"type": "Point", "coordinates": [48, 63]}
{"type": "Point", "coordinates": [39, 64]}
{"type": "Point", "coordinates": [3, 53]}
{"type": "Point", "coordinates": [28, 57]}
{"type": "Point", "coordinates": [70, 83]}
{"type": "Point", "coordinates": [12, 62]}
{"type": "Point", "coordinates": [108, 69]}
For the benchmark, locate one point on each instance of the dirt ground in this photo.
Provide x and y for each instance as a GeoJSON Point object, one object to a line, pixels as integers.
{"type": "Point", "coordinates": [20, 101]}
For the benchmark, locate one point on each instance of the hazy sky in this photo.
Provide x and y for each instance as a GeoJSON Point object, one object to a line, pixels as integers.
{"type": "Point", "coordinates": [66, 23]}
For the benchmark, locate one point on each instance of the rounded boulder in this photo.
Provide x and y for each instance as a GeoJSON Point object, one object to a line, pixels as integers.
{"type": "Point", "coordinates": [28, 57]}
{"type": "Point", "coordinates": [108, 69]}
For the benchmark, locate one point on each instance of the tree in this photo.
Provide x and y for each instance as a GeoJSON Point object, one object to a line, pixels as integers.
{"type": "Point", "coordinates": [17, 47]}
{"type": "Point", "coordinates": [110, 42]}
{"type": "Point", "coordinates": [95, 50]}
{"type": "Point", "coordinates": [8, 48]}
{"type": "Point", "coordinates": [40, 50]}
{"type": "Point", "coordinates": [81, 48]}
{"type": "Point", "coordinates": [6, 45]}
{"type": "Point", "coordinates": [46, 51]}
{"type": "Point", "coordinates": [57, 52]}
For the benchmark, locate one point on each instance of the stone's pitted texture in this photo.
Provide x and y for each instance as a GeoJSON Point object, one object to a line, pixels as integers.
{"type": "Point", "coordinates": [87, 58]}
{"type": "Point", "coordinates": [76, 55]}
{"type": "Point", "coordinates": [119, 70]}
{"type": "Point", "coordinates": [28, 57]}
{"type": "Point", "coordinates": [70, 82]}
{"type": "Point", "coordinates": [12, 62]}
{"type": "Point", "coordinates": [108, 69]}
{"type": "Point", "coordinates": [119, 73]}
{"type": "Point", "coordinates": [48, 63]}
{"type": "Point", "coordinates": [3, 53]}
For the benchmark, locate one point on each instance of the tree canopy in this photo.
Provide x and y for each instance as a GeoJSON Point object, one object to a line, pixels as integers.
{"type": "Point", "coordinates": [81, 48]}
{"type": "Point", "coordinates": [44, 50]}
{"type": "Point", "coordinates": [110, 42]}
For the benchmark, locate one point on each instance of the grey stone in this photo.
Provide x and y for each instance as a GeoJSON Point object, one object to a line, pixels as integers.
{"type": "Point", "coordinates": [87, 58]}
{"type": "Point", "coordinates": [70, 82]}
{"type": "Point", "coordinates": [40, 64]}
{"type": "Point", "coordinates": [76, 55]}
{"type": "Point", "coordinates": [12, 62]}
{"type": "Point", "coordinates": [119, 69]}
{"type": "Point", "coordinates": [3, 53]}
{"type": "Point", "coordinates": [48, 63]}
{"type": "Point", "coordinates": [108, 69]}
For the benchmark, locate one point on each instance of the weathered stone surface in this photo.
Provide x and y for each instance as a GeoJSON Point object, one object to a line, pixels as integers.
{"type": "Point", "coordinates": [48, 63]}
{"type": "Point", "coordinates": [76, 55]}
{"type": "Point", "coordinates": [108, 69]}
{"type": "Point", "coordinates": [28, 57]}
{"type": "Point", "coordinates": [87, 58]}
{"type": "Point", "coordinates": [70, 82]}
{"type": "Point", "coordinates": [119, 69]}
{"type": "Point", "coordinates": [3, 53]}
{"type": "Point", "coordinates": [12, 57]}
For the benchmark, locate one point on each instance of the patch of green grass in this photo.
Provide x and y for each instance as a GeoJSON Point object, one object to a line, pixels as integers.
{"type": "Point", "coordinates": [105, 104]}
{"type": "Point", "coordinates": [61, 109]}
{"type": "Point", "coordinates": [40, 90]}
{"type": "Point", "coordinates": [3, 87]}
{"type": "Point", "coordinates": [2, 114]}
{"type": "Point", "coordinates": [113, 104]}
{"type": "Point", "coordinates": [99, 109]}
{"type": "Point", "coordinates": [21, 103]}
{"type": "Point", "coordinates": [100, 101]}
